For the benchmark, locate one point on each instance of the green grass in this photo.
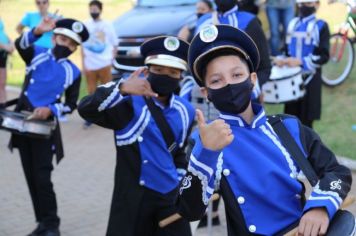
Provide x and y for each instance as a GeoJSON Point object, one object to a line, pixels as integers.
{"type": "Point", "coordinates": [338, 111]}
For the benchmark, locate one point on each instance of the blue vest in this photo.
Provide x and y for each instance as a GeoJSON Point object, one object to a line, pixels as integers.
{"type": "Point", "coordinates": [303, 36]}
{"type": "Point", "coordinates": [158, 171]}
{"type": "Point", "coordinates": [49, 78]}
{"type": "Point", "coordinates": [233, 17]}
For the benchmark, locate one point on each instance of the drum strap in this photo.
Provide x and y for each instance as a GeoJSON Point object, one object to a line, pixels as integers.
{"type": "Point", "coordinates": [293, 148]}
{"type": "Point", "coordinates": [11, 102]}
{"type": "Point", "coordinates": [163, 125]}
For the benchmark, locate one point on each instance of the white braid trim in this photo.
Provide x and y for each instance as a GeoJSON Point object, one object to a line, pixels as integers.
{"type": "Point", "coordinates": [218, 171]}
{"type": "Point", "coordinates": [204, 182]}
{"type": "Point", "coordinates": [291, 165]}
{"type": "Point", "coordinates": [107, 101]}
{"type": "Point", "coordinates": [135, 136]}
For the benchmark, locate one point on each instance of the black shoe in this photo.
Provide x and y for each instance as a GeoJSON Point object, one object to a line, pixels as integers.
{"type": "Point", "coordinates": [39, 229]}
{"type": "Point", "coordinates": [204, 221]}
{"type": "Point", "coordinates": [51, 232]}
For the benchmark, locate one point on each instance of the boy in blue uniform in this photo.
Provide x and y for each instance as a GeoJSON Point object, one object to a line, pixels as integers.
{"type": "Point", "coordinates": [148, 168]}
{"type": "Point", "coordinates": [241, 155]}
{"type": "Point", "coordinates": [49, 74]}
{"type": "Point", "coordinates": [308, 46]}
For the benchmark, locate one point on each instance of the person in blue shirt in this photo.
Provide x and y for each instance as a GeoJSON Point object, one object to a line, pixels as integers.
{"type": "Point", "coordinates": [49, 75]}
{"type": "Point", "coordinates": [242, 157]}
{"type": "Point", "coordinates": [6, 47]}
{"type": "Point", "coordinates": [149, 167]}
{"type": "Point", "coordinates": [32, 19]}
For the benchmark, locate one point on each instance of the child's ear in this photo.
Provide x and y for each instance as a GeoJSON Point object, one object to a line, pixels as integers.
{"type": "Point", "coordinates": [204, 91]}
{"type": "Point", "coordinates": [254, 78]}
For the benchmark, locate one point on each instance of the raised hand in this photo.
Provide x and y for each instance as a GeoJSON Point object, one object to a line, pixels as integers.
{"type": "Point", "coordinates": [135, 85]}
{"type": "Point", "coordinates": [47, 24]}
{"type": "Point", "coordinates": [216, 135]}
{"type": "Point", "coordinates": [315, 222]}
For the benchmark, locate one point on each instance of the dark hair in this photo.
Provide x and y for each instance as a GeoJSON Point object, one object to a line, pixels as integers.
{"type": "Point", "coordinates": [96, 3]}
{"type": "Point", "coordinates": [208, 3]}
{"type": "Point", "coordinates": [202, 65]}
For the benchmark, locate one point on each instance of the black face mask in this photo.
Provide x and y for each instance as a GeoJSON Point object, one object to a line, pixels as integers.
{"type": "Point", "coordinates": [233, 98]}
{"type": "Point", "coordinates": [224, 5]}
{"type": "Point", "coordinates": [199, 15]}
{"type": "Point", "coordinates": [60, 51]}
{"type": "Point", "coordinates": [94, 15]}
{"type": "Point", "coordinates": [305, 11]}
{"type": "Point", "coordinates": [164, 85]}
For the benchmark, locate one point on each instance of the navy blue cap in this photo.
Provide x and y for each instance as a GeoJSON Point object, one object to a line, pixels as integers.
{"type": "Point", "coordinates": [73, 29]}
{"type": "Point", "coordinates": [166, 51]}
{"type": "Point", "coordinates": [217, 37]}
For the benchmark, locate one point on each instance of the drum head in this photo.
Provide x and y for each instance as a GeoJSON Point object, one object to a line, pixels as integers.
{"type": "Point", "coordinates": [284, 72]}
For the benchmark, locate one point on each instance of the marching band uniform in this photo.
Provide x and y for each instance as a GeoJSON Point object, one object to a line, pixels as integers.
{"type": "Point", "coordinates": [146, 175]}
{"type": "Point", "coordinates": [255, 174]}
{"type": "Point", "coordinates": [308, 40]}
{"type": "Point", "coordinates": [47, 78]}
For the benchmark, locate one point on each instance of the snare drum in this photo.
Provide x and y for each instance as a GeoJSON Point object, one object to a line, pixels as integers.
{"type": "Point", "coordinates": [285, 85]}
{"type": "Point", "coordinates": [18, 123]}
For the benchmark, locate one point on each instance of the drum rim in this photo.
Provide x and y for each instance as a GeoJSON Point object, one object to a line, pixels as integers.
{"type": "Point", "coordinates": [287, 77]}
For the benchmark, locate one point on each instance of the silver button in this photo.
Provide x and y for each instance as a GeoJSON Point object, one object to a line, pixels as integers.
{"type": "Point", "coordinates": [241, 200]}
{"type": "Point", "coordinates": [142, 182]}
{"type": "Point", "coordinates": [140, 139]}
{"type": "Point", "coordinates": [145, 161]}
{"type": "Point", "coordinates": [32, 81]}
{"type": "Point", "coordinates": [25, 93]}
{"type": "Point", "coordinates": [226, 172]}
{"type": "Point", "coordinates": [58, 96]}
{"type": "Point", "coordinates": [252, 228]}
{"type": "Point", "coordinates": [297, 196]}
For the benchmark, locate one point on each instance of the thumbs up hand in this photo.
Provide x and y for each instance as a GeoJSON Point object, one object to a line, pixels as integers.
{"type": "Point", "coordinates": [216, 135]}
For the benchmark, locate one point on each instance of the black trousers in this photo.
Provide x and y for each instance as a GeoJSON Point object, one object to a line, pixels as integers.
{"type": "Point", "coordinates": [297, 108]}
{"type": "Point", "coordinates": [153, 208]}
{"type": "Point", "coordinates": [36, 157]}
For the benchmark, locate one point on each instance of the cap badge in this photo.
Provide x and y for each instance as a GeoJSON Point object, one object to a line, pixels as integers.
{"type": "Point", "coordinates": [77, 27]}
{"type": "Point", "coordinates": [208, 33]}
{"type": "Point", "coordinates": [171, 44]}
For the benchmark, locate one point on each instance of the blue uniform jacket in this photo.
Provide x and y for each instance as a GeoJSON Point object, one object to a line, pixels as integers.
{"type": "Point", "coordinates": [138, 137]}
{"type": "Point", "coordinates": [258, 178]}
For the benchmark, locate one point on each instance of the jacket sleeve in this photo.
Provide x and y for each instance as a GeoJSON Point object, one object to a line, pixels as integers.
{"type": "Point", "coordinates": [71, 98]}
{"type": "Point", "coordinates": [320, 54]}
{"type": "Point", "coordinates": [203, 176]}
{"type": "Point", "coordinates": [107, 107]}
{"type": "Point", "coordinates": [334, 179]}
{"type": "Point", "coordinates": [180, 157]}
{"type": "Point", "coordinates": [24, 45]}
{"type": "Point", "coordinates": [254, 30]}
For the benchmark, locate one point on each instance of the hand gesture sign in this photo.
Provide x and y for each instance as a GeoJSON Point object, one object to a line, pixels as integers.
{"type": "Point", "coordinates": [47, 24]}
{"type": "Point", "coordinates": [135, 85]}
{"type": "Point", "coordinates": [216, 135]}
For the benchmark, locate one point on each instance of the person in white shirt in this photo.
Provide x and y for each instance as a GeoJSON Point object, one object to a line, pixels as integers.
{"type": "Point", "coordinates": [99, 51]}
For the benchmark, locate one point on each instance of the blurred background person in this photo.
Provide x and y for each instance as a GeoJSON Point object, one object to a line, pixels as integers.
{"type": "Point", "coordinates": [202, 7]}
{"type": "Point", "coordinates": [6, 47]}
{"type": "Point", "coordinates": [251, 6]}
{"type": "Point", "coordinates": [99, 51]}
{"type": "Point", "coordinates": [279, 13]}
{"type": "Point", "coordinates": [32, 19]}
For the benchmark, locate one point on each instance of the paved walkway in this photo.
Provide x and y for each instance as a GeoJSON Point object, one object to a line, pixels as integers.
{"type": "Point", "coordinates": [83, 182]}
